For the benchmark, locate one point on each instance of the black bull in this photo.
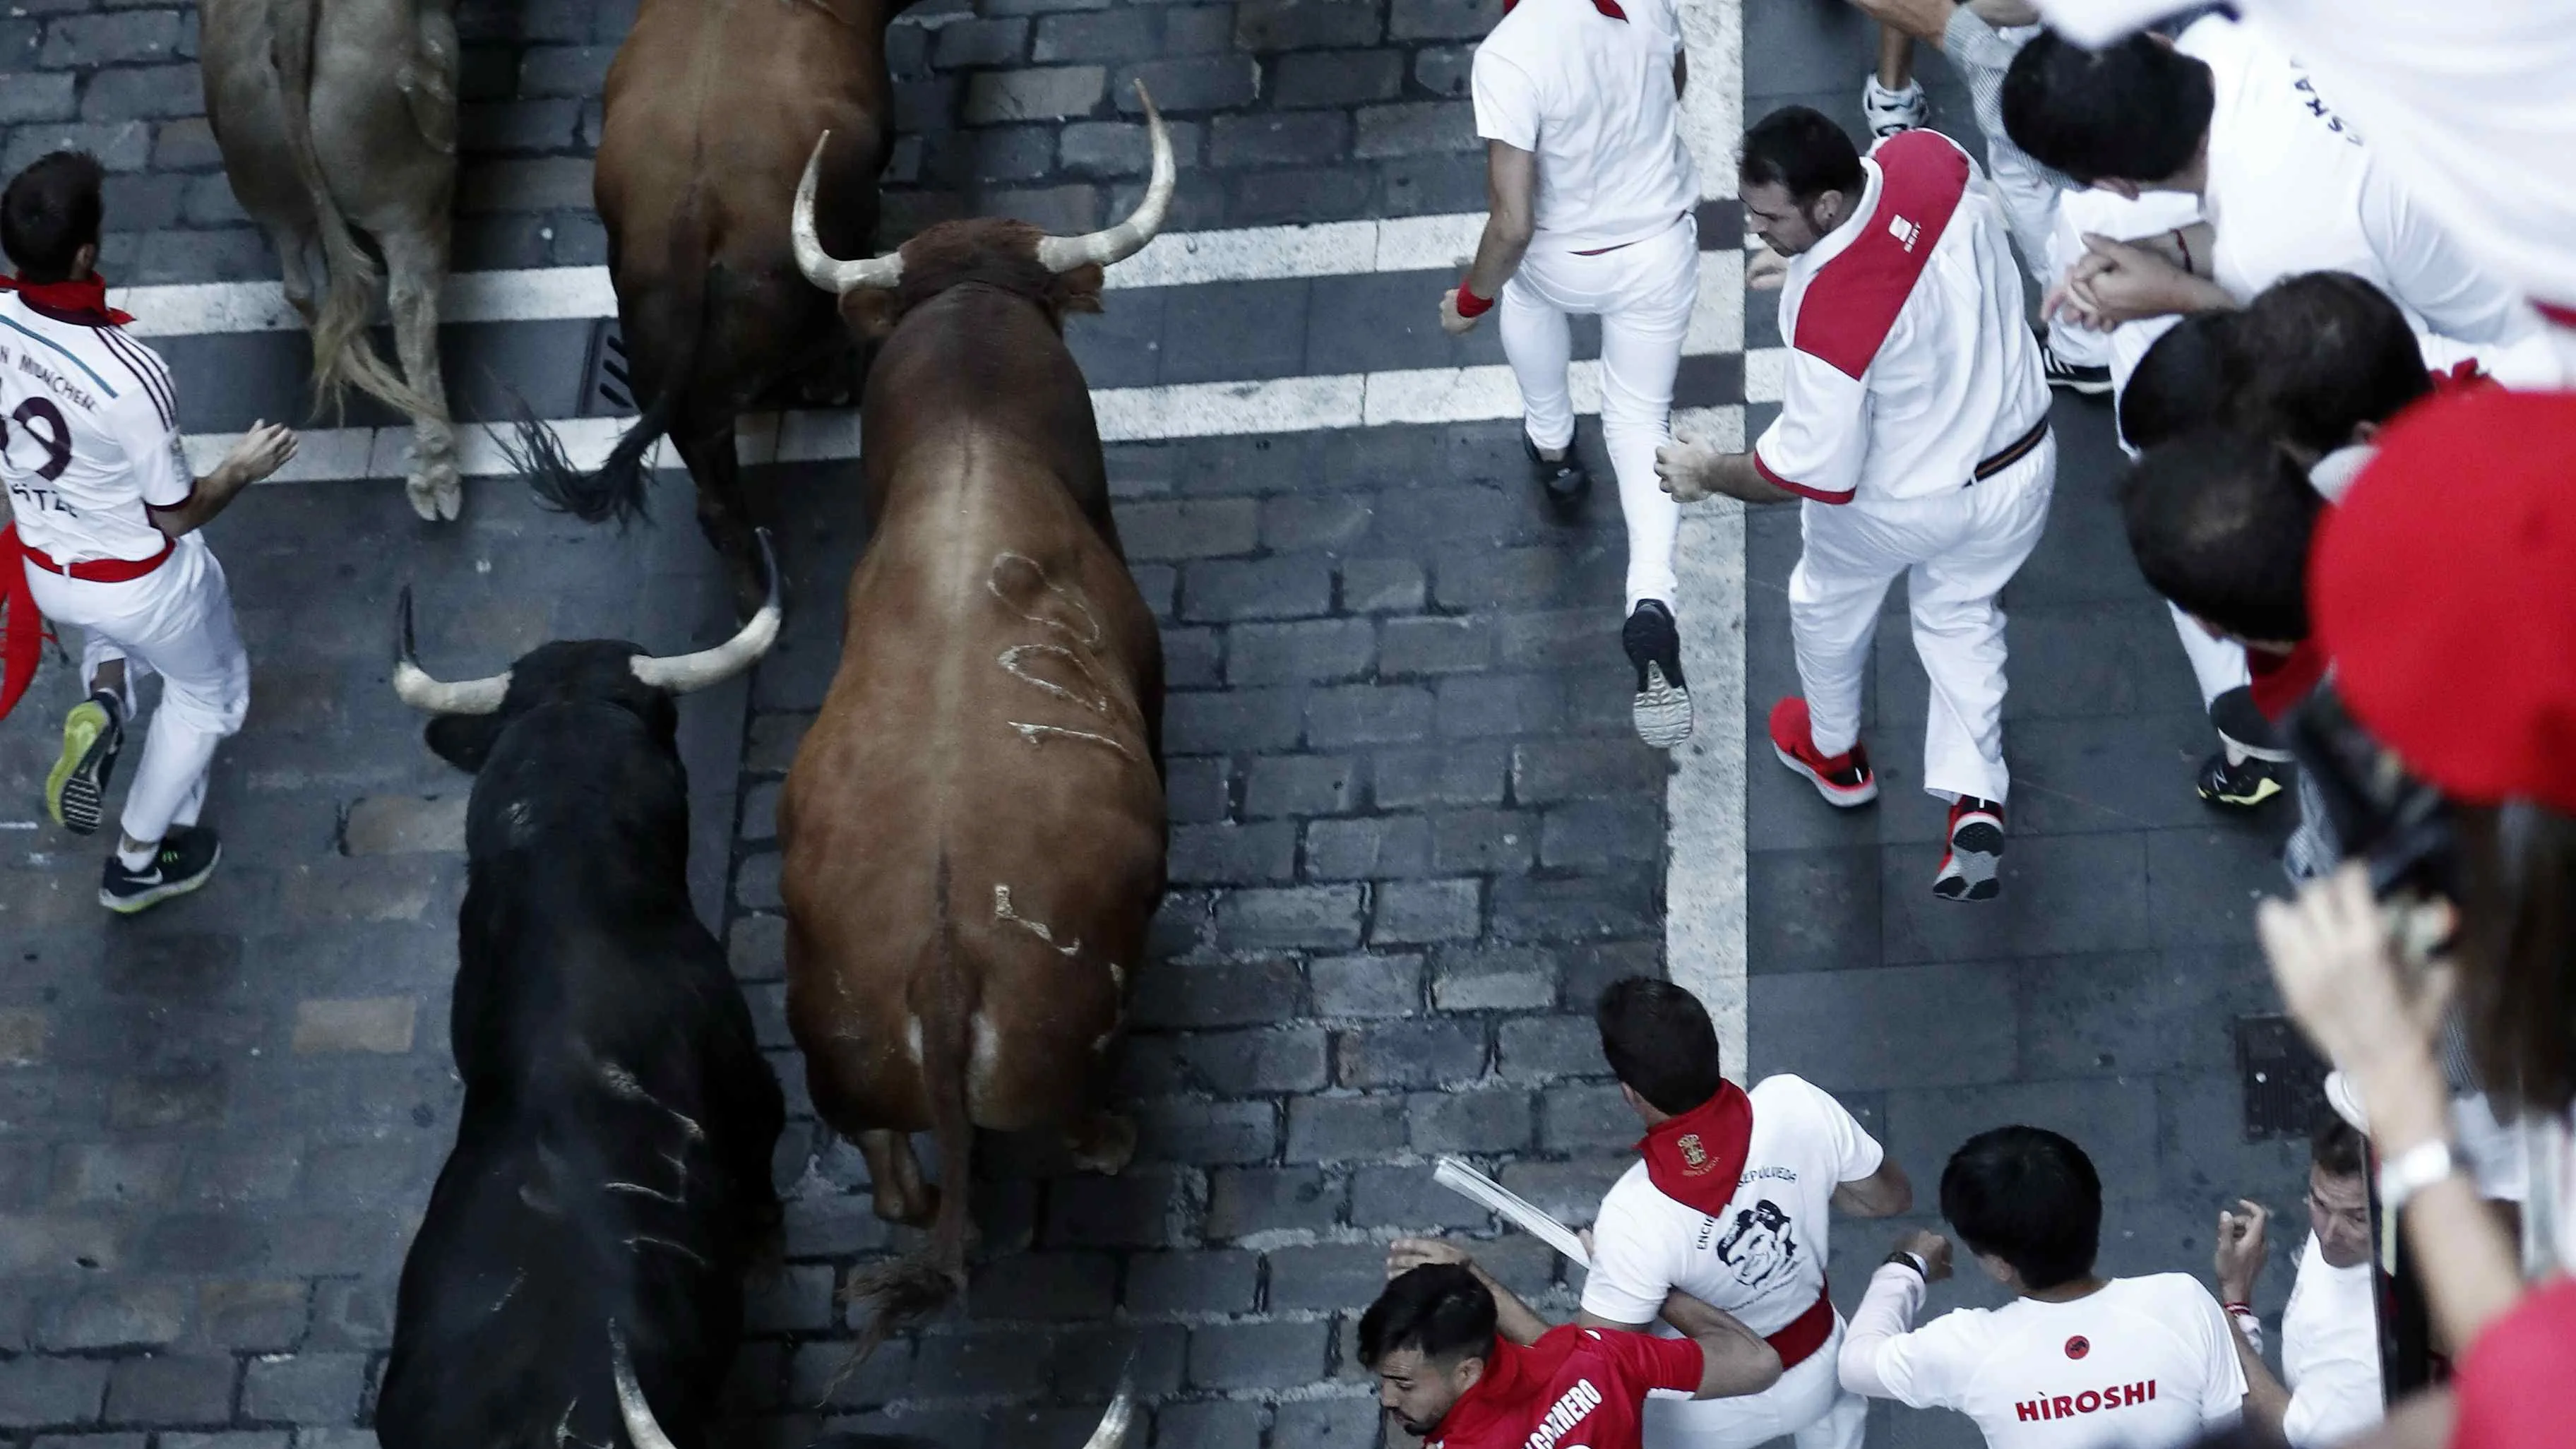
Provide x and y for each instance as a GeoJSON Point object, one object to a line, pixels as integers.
{"type": "Point", "coordinates": [579, 1271]}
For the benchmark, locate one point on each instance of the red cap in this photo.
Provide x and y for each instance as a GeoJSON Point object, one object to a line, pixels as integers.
{"type": "Point", "coordinates": [2444, 589]}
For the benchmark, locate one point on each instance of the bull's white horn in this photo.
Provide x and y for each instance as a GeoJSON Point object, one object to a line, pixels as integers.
{"type": "Point", "coordinates": [1112, 1432]}
{"type": "Point", "coordinates": [642, 1429]}
{"type": "Point", "coordinates": [820, 267]}
{"type": "Point", "coordinates": [1118, 243]}
{"type": "Point", "coordinates": [714, 666]}
{"type": "Point", "coordinates": [414, 686]}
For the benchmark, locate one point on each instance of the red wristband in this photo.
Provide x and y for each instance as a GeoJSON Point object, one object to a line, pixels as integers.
{"type": "Point", "coordinates": [2246, 1309]}
{"type": "Point", "coordinates": [1469, 304]}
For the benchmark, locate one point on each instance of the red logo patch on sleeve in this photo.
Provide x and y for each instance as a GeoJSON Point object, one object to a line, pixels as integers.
{"type": "Point", "coordinates": [2078, 1346]}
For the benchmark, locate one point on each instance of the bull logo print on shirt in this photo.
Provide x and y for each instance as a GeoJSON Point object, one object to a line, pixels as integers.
{"type": "Point", "coordinates": [1760, 1247]}
{"type": "Point", "coordinates": [2078, 1346]}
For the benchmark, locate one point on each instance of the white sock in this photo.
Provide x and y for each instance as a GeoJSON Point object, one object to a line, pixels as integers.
{"type": "Point", "coordinates": [136, 859]}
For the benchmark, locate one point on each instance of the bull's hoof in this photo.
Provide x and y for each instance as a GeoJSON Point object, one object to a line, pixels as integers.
{"type": "Point", "coordinates": [436, 496]}
{"type": "Point", "coordinates": [1104, 1144]}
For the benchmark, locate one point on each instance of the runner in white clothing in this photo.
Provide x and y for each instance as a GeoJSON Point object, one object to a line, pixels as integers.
{"type": "Point", "coordinates": [2330, 1329]}
{"type": "Point", "coordinates": [1914, 424]}
{"type": "Point", "coordinates": [2075, 1361]}
{"type": "Point", "coordinates": [107, 518]}
{"type": "Point", "coordinates": [2287, 187]}
{"type": "Point", "coordinates": [1729, 1203]}
{"type": "Point", "coordinates": [1592, 195]}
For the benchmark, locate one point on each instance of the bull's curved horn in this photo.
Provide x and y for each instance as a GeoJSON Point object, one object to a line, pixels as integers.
{"type": "Point", "coordinates": [820, 267]}
{"type": "Point", "coordinates": [1064, 253]}
{"type": "Point", "coordinates": [707, 667]}
{"type": "Point", "coordinates": [1112, 1433]}
{"type": "Point", "coordinates": [414, 686]}
{"type": "Point", "coordinates": [642, 1429]}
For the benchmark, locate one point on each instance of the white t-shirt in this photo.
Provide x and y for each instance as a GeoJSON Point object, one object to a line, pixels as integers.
{"type": "Point", "coordinates": [1763, 1259]}
{"type": "Point", "coordinates": [2330, 1353]}
{"type": "Point", "coordinates": [2145, 1363]}
{"type": "Point", "coordinates": [2467, 105]}
{"type": "Point", "coordinates": [2292, 188]}
{"type": "Point", "coordinates": [1593, 96]}
{"type": "Point", "coordinates": [1884, 402]}
{"type": "Point", "coordinates": [88, 435]}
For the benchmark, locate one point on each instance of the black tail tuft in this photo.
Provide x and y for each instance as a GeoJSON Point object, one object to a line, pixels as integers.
{"type": "Point", "coordinates": [616, 491]}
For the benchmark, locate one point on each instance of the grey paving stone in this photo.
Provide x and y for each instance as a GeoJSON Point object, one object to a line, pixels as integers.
{"type": "Point", "coordinates": [1367, 986]}
{"type": "Point", "coordinates": [1409, 1054]}
{"type": "Point", "coordinates": [1864, 1030]}
{"type": "Point", "coordinates": [1543, 1047]}
{"type": "Point", "coordinates": [2084, 893]}
{"type": "Point", "coordinates": [1435, 645]}
{"type": "Point", "coordinates": [2113, 1121]}
{"type": "Point", "coordinates": [1248, 1201]}
{"type": "Point", "coordinates": [1192, 1282]}
{"type": "Point", "coordinates": [1413, 913]}
{"type": "Point", "coordinates": [1301, 785]}
{"type": "Point", "coordinates": [971, 42]}
{"type": "Point", "coordinates": [1300, 24]}
{"type": "Point", "coordinates": [1381, 585]}
{"type": "Point", "coordinates": [40, 1392]}
{"type": "Point", "coordinates": [1338, 78]}
{"type": "Point", "coordinates": [1134, 1209]}
{"type": "Point", "coordinates": [1454, 774]}
{"type": "Point", "coordinates": [1246, 1063]}
{"type": "Point", "coordinates": [1257, 1355]}
{"type": "Point", "coordinates": [1376, 847]}
{"type": "Point", "coordinates": [1492, 978]}
{"type": "Point", "coordinates": [1344, 1423]}
{"type": "Point", "coordinates": [116, 1314]}
{"type": "Point", "coordinates": [1232, 1423]}
{"type": "Point", "coordinates": [1316, 651]}
{"type": "Point", "coordinates": [1199, 83]}
{"type": "Point", "coordinates": [1406, 1199]}
{"type": "Point", "coordinates": [1226, 854]}
{"type": "Point", "coordinates": [1279, 588]}
{"type": "Point", "coordinates": [1294, 916]}
{"type": "Point", "coordinates": [304, 1388]}
{"type": "Point", "coordinates": [1484, 1121]}
{"type": "Point", "coordinates": [1220, 993]}
{"type": "Point", "coordinates": [1340, 1129]}
{"type": "Point", "coordinates": [1414, 127]}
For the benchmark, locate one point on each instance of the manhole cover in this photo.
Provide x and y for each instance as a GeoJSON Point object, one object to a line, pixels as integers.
{"type": "Point", "coordinates": [605, 391]}
{"type": "Point", "coordinates": [2283, 1077]}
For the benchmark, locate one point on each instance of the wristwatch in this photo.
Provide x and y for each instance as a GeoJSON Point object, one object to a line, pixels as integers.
{"type": "Point", "coordinates": [2412, 1171]}
{"type": "Point", "coordinates": [1902, 1258]}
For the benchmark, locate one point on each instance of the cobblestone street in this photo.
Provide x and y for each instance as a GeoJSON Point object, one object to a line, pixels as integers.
{"type": "Point", "coordinates": [1412, 832]}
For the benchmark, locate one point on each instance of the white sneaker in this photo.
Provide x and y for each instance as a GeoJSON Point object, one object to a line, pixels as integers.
{"type": "Point", "coordinates": [1889, 112]}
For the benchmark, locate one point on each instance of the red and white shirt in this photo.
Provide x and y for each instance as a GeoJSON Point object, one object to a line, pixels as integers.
{"type": "Point", "coordinates": [1576, 1388]}
{"type": "Point", "coordinates": [89, 434]}
{"type": "Point", "coordinates": [1910, 360]}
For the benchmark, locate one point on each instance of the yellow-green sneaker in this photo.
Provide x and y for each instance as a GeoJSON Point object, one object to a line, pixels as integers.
{"type": "Point", "coordinates": [76, 789]}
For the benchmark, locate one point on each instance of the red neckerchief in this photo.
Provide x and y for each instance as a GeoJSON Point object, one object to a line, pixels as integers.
{"type": "Point", "coordinates": [1697, 1158]}
{"type": "Point", "coordinates": [1606, 7]}
{"type": "Point", "coordinates": [82, 300]}
{"type": "Point", "coordinates": [2463, 376]}
{"type": "Point", "coordinates": [21, 627]}
{"type": "Point", "coordinates": [1512, 1377]}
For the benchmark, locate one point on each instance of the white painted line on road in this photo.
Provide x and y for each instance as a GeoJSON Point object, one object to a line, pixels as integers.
{"type": "Point", "coordinates": [1766, 374]}
{"type": "Point", "coordinates": [1704, 853]}
{"type": "Point", "coordinates": [549, 294]}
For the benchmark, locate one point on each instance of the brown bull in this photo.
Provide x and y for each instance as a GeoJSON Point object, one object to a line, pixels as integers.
{"type": "Point", "coordinates": [710, 109]}
{"type": "Point", "coordinates": [974, 825]}
{"type": "Point", "coordinates": [334, 117]}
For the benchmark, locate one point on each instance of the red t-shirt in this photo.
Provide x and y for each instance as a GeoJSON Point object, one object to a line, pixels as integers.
{"type": "Point", "coordinates": [1576, 1388]}
{"type": "Point", "coordinates": [2514, 1387]}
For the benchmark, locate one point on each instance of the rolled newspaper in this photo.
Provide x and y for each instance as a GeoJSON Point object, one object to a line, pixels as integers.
{"type": "Point", "coordinates": [1468, 1183]}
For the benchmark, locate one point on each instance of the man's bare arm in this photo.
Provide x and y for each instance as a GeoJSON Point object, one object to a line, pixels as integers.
{"type": "Point", "coordinates": [1692, 470]}
{"type": "Point", "coordinates": [262, 451]}
{"type": "Point", "coordinates": [1511, 219]}
{"type": "Point", "coordinates": [1883, 1194]}
{"type": "Point", "coordinates": [2266, 1401]}
{"type": "Point", "coordinates": [1734, 1359]}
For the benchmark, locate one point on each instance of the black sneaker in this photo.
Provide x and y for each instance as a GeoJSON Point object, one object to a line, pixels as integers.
{"type": "Point", "coordinates": [1563, 478]}
{"type": "Point", "coordinates": [186, 857]}
{"type": "Point", "coordinates": [76, 789]}
{"type": "Point", "coordinates": [1970, 869]}
{"type": "Point", "coordinates": [1662, 709]}
{"type": "Point", "coordinates": [2085, 381]}
{"type": "Point", "coordinates": [2241, 786]}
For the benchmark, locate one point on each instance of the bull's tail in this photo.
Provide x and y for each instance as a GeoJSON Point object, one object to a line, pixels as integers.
{"type": "Point", "coordinates": [909, 1289]}
{"type": "Point", "coordinates": [342, 355]}
{"type": "Point", "coordinates": [616, 489]}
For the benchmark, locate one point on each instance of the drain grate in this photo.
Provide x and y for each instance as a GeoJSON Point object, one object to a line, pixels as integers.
{"type": "Point", "coordinates": [2283, 1077]}
{"type": "Point", "coordinates": [605, 392]}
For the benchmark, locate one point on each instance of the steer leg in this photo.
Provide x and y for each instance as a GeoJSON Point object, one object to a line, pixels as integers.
{"type": "Point", "coordinates": [894, 1174]}
{"type": "Point", "coordinates": [294, 242]}
{"type": "Point", "coordinates": [707, 447]}
{"type": "Point", "coordinates": [416, 267]}
{"type": "Point", "coordinates": [1102, 1142]}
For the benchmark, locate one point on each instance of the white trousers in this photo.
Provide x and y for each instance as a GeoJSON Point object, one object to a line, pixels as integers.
{"type": "Point", "coordinates": [1958, 549]}
{"type": "Point", "coordinates": [1643, 294]}
{"type": "Point", "coordinates": [1808, 1403]}
{"type": "Point", "coordinates": [177, 622]}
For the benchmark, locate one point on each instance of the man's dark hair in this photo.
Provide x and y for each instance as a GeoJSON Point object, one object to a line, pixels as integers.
{"type": "Point", "coordinates": [2181, 384]}
{"type": "Point", "coordinates": [2319, 355]}
{"type": "Point", "coordinates": [1799, 149]}
{"type": "Point", "coordinates": [2135, 111]}
{"type": "Point", "coordinates": [2029, 1197]}
{"type": "Point", "coordinates": [50, 211]}
{"type": "Point", "coordinates": [1659, 1042]}
{"type": "Point", "coordinates": [2220, 521]}
{"type": "Point", "coordinates": [2334, 1146]}
{"type": "Point", "coordinates": [1438, 1310]}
